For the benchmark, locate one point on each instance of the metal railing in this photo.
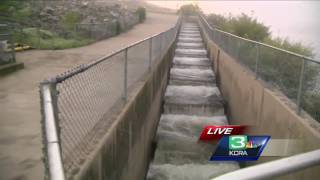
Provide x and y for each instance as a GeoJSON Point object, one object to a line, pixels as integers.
{"type": "Point", "coordinates": [275, 168]}
{"type": "Point", "coordinates": [77, 34]}
{"type": "Point", "coordinates": [76, 105]}
{"type": "Point", "coordinates": [297, 76]}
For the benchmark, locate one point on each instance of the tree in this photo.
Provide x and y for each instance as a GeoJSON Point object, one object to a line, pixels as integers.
{"type": "Point", "coordinates": [248, 27]}
{"type": "Point", "coordinates": [279, 68]}
{"type": "Point", "coordinates": [189, 9]}
{"type": "Point", "coordinates": [141, 12]}
{"type": "Point", "coordinates": [243, 26]}
{"type": "Point", "coordinates": [218, 21]}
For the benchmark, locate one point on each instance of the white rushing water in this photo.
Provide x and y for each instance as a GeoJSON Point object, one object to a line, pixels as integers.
{"type": "Point", "coordinates": [192, 74]}
{"type": "Point", "coordinates": [191, 102]}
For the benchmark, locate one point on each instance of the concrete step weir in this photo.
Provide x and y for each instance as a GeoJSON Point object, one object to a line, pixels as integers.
{"type": "Point", "coordinates": [192, 76]}
{"type": "Point", "coordinates": [189, 35]}
{"type": "Point", "coordinates": [184, 30]}
{"type": "Point", "coordinates": [190, 45]}
{"type": "Point", "coordinates": [191, 52]}
{"type": "Point", "coordinates": [190, 39]}
{"type": "Point", "coordinates": [191, 101]}
{"type": "Point", "coordinates": [191, 63]}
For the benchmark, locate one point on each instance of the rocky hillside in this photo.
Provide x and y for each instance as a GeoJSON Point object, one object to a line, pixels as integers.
{"type": "Point", "coordinates": [63, 24]}
{"type": "Point", "coordinates": [86, 12]}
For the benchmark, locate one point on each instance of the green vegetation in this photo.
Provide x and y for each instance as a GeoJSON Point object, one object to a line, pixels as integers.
{"type": "Point", "coordinates": [248, 27]}
{"type": "Point", "coordinates": [141, 11]}
{"type": "Point", "coordinates": [118, 28]}
{"type": "Point", "coordinates": [296, 47]}
{"type": "Point", "coordinates": [311, 103]}
{"type": "Point", "coordinates": [14, 11]}
{"type": "Point", "coordinates": [54, 25]}
{"type": "Point", "coordinates": [25, 16]}
{"type": "Point", "coordinates": [70, 19]}
{"type": "Point", "coordinates": [280, 69]}
{"type": "Point", "coordinates": [189, 9]}
{"type": "Point", "coordinates": [243, 26]}
{"type": "Point", "coordinates": [44, 39]}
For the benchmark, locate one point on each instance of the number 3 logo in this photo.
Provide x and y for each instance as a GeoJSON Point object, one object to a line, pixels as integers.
{"type": "Point", "coordinates": [237, 142]}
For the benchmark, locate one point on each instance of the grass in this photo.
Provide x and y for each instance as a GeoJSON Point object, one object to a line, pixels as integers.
{"type": "Point", "coordinates": [44, 39]}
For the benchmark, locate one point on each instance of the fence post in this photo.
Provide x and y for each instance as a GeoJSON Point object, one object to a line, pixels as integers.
{"type": "Point", "coordinates": [300, 90]}
{"type": "Point", "coordinates": [150, 53]}
{"type": "Point", "coordinates": [53, 31]}
{"type": "Point", "coordinates": [213, 39]}
{"type": "Point", "coordinates": [51, 130]}
{"type": "Point", "coordinates": [160, 35]}
{"type": "Point", "coordinates": [38, 33]}
{"type": "Point", "coordinates": [257, 60]}
{"type": "Point", "coordinates": [238, 50]}
{"type": "Point", "coordinates": [12, 43]}
{"type": "Point", "coordinates": [125, 82]}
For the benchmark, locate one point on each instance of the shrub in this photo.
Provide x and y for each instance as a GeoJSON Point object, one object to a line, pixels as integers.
{"type": "Point", "coordinates": [44, 39]}
{"type": "Point", "coordinates": [279, 68]}
{"type": "Point", "coordinates": [141, 12]}
{"type": "Point", "coordinates": [70, 19]}
{"type": "Point", "coordinates": [189, 9]}
{"type": "Point", "coordinates": [243, 26]}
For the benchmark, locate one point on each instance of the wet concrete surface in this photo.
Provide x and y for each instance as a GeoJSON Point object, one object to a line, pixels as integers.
{"type": "Point", "coordinates": [191, 101]}
{"type": "Point", "coordinates": [20, 134]}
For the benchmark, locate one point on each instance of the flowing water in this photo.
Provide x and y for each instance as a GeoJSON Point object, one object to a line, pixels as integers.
{"type": "Point", "coordinates": [192, 101]}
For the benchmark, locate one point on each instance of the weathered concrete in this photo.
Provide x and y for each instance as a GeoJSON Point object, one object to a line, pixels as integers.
{"type": "Point", "coordinates": [189, 62]}
{"type": "Point", "coordinates": [191, 52]}
{"type": "Point", "coordinates": [192, 76]}
{"type": "Point", "coordinates": [125, 150]}
{"type": "Point", "coordinates": [190, 40]}
{"type": "Point", "coordinates": [267, 111]}
{"type": "Point", "coordinates": [20, 131]}
{"type": "Point", "coordinates": [11, 67]}
{"type": "Point", "coordinates": [191, 101]}
{"type": "Point", "coordinates": [190, 45]}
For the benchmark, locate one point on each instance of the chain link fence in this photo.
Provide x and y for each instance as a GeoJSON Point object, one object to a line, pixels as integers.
{"type": "Point", "coordinates": [54, 37]}
{"type": "Point", "coordinates": [297, 76]}
{"type": "Point", "coordinates": [61, 24]}
{"type": "Point", "coordinates": [77, 112]}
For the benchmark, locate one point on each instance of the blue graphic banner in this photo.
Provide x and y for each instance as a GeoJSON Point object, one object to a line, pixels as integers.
{"type": "Point", "coordinates": [240, 148]}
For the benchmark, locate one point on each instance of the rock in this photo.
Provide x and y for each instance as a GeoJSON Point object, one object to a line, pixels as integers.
{"type": "Point", "coordinates": [48, 10]}
{"type": "Point", "coordinates": [52, 19]}
{"type": "Point", "coordinates": [11, 9]}
{"type": "Point", "coordinates": [88, 20]}
{"type": "Point", "coordinates": [114, 13]}
{"type": "Point", "coordinates": [84, 4]}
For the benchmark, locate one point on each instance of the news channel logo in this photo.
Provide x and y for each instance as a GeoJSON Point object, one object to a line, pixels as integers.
{"type": "Point", "coordinates": [233, 144]}
{"type": "Point", "coordinates": [240, 148]}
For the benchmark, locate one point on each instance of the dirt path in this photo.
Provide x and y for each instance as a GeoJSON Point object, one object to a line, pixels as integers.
{"type": "Point", "coordinates": [20, 136]}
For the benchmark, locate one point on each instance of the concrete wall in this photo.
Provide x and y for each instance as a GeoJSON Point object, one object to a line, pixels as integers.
{"type": "Point", "coordinates": [267, 111]}
{"type": "Point", "coordinates": [125, 150]}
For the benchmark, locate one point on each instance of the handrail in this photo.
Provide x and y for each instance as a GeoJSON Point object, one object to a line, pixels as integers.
{"type": "Point", "coordinates": [276, 168]}
{"type": "Point", "coordinates": [56, 171]}
{"type": "Point", "coordinates": [48, 94]}
{"type": "Point", "coordinates": [84, 67]}
{"type": "Point", "coordinates": [259, 43]}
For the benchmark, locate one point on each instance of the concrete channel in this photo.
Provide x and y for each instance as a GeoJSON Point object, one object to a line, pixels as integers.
{"type": "Point", "coordinates": [191, 101]}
